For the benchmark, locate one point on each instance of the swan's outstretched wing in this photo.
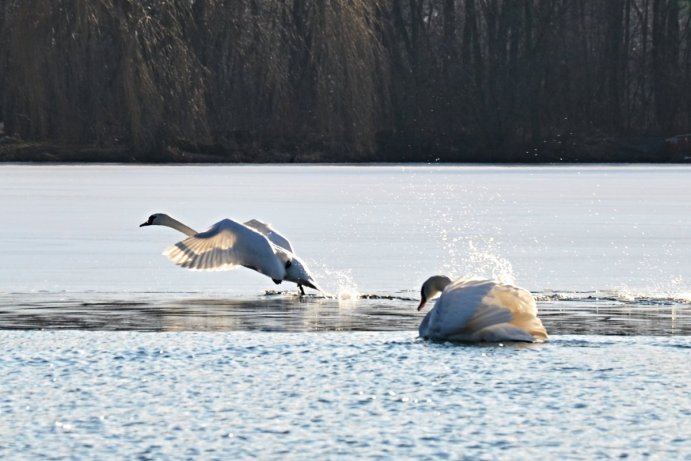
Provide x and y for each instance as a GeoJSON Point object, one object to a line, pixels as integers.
{"type": "Point", "coordinates": [226, 245]}
{"type": "Point", "coordinates": [270, 233]}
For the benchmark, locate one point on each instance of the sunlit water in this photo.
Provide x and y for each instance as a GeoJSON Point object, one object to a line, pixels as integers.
{"type": "Point", "coordinates": [381, 395]}
{"type": "Point", "coordinates": [171, 364]}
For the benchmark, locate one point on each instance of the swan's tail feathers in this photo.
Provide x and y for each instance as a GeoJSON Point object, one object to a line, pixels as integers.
{"type": "Point", "coordinates": [496, 324]}
{"type": "Point", "coordinates": [530, 324]}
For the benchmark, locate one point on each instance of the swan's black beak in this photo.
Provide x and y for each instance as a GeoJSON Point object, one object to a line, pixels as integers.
{"type": "Point", "coordinates": [308, 284]}
{"type": "Point", "coordinates": [150, 221]}
{"type": "Point", "coordinates": [423, 301]}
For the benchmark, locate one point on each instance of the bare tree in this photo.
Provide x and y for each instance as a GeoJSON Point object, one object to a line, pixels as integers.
{"type": "Point", "coordinates": [419, 79]}
{"type": "Point", "coordinates": [103, 72]}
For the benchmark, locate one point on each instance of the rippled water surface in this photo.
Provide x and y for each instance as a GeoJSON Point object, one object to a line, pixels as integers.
{"type": "Point", "coordinates": [340, 395]}
{"type": "Point", "coordinates": [112, 352]}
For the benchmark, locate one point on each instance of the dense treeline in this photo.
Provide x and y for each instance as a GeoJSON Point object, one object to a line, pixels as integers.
{"type": "Point", "coordinates": [515, 80]}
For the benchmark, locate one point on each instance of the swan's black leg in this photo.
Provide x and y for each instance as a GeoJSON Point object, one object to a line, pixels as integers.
{"type": "Point", "coordinates": [302, 290]}
{"type": "Point", "coordinates": [277, 282]}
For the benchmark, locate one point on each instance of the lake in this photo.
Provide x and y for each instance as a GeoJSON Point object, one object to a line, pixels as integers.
{"type": "Point", "coordinates": [111, 351]}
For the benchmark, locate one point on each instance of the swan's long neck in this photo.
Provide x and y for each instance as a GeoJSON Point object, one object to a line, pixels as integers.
{"type": "Point", "coordinates": [441, 282]}
{"type": "Point", "coordinates": [437, 284]}
{"type": "Point", "coordinates": [431, 287]}
{"type": "Point", "coordinates": [175, 224]}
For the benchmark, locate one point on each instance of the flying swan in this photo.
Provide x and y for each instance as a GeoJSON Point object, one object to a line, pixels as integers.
{"type": "Point", "coordinates": [471, 310]}
{"type": "Point", "coordinates": [228, 244]}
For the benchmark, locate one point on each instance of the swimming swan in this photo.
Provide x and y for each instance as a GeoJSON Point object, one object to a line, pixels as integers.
{"type": "Point", "coordinates": [479, 310]}
{"type": "Point", "coordinates": [228, 244]}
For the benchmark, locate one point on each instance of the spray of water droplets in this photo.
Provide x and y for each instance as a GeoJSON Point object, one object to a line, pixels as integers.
{"type": "Point", "coordinates": [472, 248]}
{"type": "Point", "coordinates": [338, 284]}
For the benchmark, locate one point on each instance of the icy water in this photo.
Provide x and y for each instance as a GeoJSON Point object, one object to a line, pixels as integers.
{"type": "Point", "coordinates": [335, 395]}
{"type": "Point", "coordinates": [112, 352]}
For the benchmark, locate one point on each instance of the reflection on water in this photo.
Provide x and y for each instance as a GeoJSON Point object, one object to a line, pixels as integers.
{"type": "Point", "coordinates": [574, 313]}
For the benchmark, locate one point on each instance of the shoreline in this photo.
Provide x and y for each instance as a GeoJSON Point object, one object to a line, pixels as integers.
{"type": "Point", "coordinates": [622, 151]}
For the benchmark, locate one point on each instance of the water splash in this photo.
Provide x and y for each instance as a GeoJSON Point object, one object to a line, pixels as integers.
{"type": "Point", "coordinates": [484, 261]}
{"type": "Point", "coordinates": [469, 246]}
{"type": "Point", "coordinates": [338, 284]}
{"type": "Point", "coordinates": [673, 290]}
{"type": "Point", "coordinates": [615, 297]}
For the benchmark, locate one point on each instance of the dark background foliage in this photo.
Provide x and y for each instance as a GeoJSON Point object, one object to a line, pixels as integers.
{"type": "Point", "coordinates": [349, 80]}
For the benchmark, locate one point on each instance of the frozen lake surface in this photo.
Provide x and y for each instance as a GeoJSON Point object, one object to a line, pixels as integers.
{"type": "Point", "coordinates": [111, 351]}
{"type": "Point", "coordinates": [588, 241]}
{"type": "Point", "coordinates": [370, 229]}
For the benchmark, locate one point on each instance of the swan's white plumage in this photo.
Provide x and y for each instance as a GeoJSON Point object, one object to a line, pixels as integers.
{"type": "Point", "coordinates": [483, 310]}
{"type": "Point", "coordinates": [270, 233]}
{"type": "Point", "coordinates": [226, 245]}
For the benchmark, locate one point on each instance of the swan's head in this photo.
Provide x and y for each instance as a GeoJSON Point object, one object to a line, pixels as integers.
{"type": "Point", "coordinates": [156, 219]}
{"type": "Point", "coordinates": [297, 272]}
{"type": "Point", "coordinates": [431, 287]}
